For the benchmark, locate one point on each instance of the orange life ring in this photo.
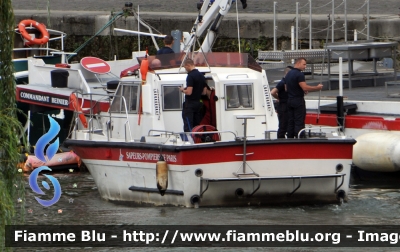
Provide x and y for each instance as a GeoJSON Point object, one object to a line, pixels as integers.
{"type": "Point", "coordinates": [40, 27]}
{"type": "Point", "coordinates": [203, 138]}
{"type": "Point", "coordinates": [78, 108]}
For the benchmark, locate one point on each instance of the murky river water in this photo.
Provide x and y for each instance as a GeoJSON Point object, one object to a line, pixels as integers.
{"type": "Point", "coordinates": [81, 205]}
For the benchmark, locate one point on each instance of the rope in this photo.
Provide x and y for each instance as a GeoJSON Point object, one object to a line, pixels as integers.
{"type": "Point", "coordinates": [303, 6]}
{"type": "Point", "coordinates": [237, 20]}
{"type": "Point", "coordinates": [362, 5]}
{"type": "Point", "coordinates": [391, 38]}
{"type": "Point", "coordinates": [112, 20]}
{"type": "Point", "coordinates": [322, 5]}
{"type": "Point", "coordinates": [339, 5]}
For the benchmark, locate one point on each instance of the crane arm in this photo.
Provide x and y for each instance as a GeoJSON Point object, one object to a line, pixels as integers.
{"type": "Point", "coordinates": [210, 18]}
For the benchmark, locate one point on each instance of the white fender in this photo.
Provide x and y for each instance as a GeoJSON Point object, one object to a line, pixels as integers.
{"type": "Point", "coordinates": [379, 152]}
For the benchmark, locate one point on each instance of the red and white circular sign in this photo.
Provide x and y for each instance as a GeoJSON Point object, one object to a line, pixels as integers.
{"type": "Point", "coordinates": [95, 65]}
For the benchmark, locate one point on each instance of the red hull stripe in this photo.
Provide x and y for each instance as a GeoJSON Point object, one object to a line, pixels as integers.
{"type": "Point", "coordinates": [355, 122]}
{"type": "Point", "coordinates": [222, 154]}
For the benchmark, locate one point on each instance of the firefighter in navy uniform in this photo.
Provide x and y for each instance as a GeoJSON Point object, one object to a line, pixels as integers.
{"type": "Point", "coordinates": [296, 87]}
{"type": "Point", "coordinates": [279, 92]}
{"type": "Point", "coordinates": [192, 106]}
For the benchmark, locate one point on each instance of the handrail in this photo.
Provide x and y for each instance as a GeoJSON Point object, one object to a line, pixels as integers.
{"type": "Point", "coordinates": [161, 131]}
{"type": "Point", "coordinates": [36, 48]}
{"type": "Point", "coordinates": [318, 128]}
{"type": "Point", "coordinates": [247, 76]}
{"type": "Point", "coordinates": [109, 133]}
{"type": "Point", "coordinates": [191, 132]}
{"type": "Point", "coordinates": [210, 132]}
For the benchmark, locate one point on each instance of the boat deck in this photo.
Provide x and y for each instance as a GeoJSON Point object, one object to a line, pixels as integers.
{"type": "Point", "coordinates": [362, 90]}
{"type": "Point", "coordinates": [377, 93]}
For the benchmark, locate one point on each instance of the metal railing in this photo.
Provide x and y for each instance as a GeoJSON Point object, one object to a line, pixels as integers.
{"type": "Point", "coordinates": [91, 130]}
{"type": "Point", "coordinates": [321, 133]}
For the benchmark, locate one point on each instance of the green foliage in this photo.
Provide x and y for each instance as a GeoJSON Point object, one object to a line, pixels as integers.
{"type": "Point", "coordinates": [11, 181]}
{"type": "Point", "coordinates": [105, 48]}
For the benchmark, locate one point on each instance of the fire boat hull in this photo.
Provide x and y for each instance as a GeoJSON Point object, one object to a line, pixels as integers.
{"type": "Point", "coordinates": [286, 171]}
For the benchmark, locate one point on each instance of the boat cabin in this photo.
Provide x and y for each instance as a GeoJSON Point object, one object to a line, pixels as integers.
{"type": "Point", "coordinates": [156, 103]}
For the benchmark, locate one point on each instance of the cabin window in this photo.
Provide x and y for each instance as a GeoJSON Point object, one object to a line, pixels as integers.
{"type": "Point", "coordinates": [172, 97]}
{"type": "Point", "coordinates": [239, 96]}
{"type": "Point", "coordinates": [130, 91]}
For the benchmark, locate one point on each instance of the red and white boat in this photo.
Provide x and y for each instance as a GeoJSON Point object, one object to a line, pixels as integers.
{"type": "Point", "coordinates": [243, 164]}
{"type": "Point", "coordinates": [376, 127]}
{"type": "Point", "coordinates": [247, 165]}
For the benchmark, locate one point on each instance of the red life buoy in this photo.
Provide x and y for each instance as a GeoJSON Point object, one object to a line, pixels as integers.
{"type": "Point", "coordinates": [40, 27]}
{"type": "Point", "coordinates": [203, 138]}
{"type": "Point", "coordinates": [78, 108]}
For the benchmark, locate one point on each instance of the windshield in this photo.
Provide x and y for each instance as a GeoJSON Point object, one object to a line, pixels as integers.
{"type": "Point", "coordinates": [213, 59]}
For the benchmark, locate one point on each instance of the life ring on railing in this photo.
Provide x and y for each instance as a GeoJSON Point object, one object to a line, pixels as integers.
{"type": "Point", "coordinates": [40, 27]}
{"type": "Point", "coordinates": [204, 138]}
{"type": "Point", "coordinates": [78, 109]}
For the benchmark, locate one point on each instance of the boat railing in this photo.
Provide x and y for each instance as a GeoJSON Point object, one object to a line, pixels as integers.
{"type": "Point", "coordinates": [166, 132]}
{"type": "Point", "coordinates": [317, 131]}
{"type": "Point", "coordinates": [83, 83]}
{"type": "Point", "coordinates": [91, 114]}
{"type": "Point", "coordinates": [57, 35]}
{"type": "Point", "coordinates": [36, 49]}
{"type": "Point", "coordinates": [189, 135]}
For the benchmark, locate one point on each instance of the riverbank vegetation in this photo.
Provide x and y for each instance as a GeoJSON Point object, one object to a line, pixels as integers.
{"type": "Point", "coordinates": [11, 178]}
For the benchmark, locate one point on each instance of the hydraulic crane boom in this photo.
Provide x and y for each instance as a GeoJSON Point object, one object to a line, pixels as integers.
{"type": "Point", "coordinates": [210, 18]}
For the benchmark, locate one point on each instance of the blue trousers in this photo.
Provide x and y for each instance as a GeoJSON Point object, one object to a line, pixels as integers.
{"type": "Point", "coordinates": [191, 114]}
{"type": "Point", "coordinates": [283, 119]}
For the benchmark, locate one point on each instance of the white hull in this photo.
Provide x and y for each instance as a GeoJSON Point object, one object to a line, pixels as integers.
{"type": "Point", "coordinates": [114, 178]}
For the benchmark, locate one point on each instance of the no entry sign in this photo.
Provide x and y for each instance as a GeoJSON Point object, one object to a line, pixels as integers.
{"type": "Point", "coordinates": [95, 65]}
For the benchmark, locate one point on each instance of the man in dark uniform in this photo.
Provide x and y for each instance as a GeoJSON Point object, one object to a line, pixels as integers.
{"type": "Point", "coordinates": [279, 92]}
{"type": "Point", "coordinates": [195, 84]}
{"type": "Point", "coordinates": [168, 40]}
{"type": "Point", "coordinates": [167, 49]}
{"type": "Point", "coordinates": [296, 106]}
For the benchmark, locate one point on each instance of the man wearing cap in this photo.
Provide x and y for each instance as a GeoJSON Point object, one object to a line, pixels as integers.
{"type": "Point", "coordinates": [279, 93]}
